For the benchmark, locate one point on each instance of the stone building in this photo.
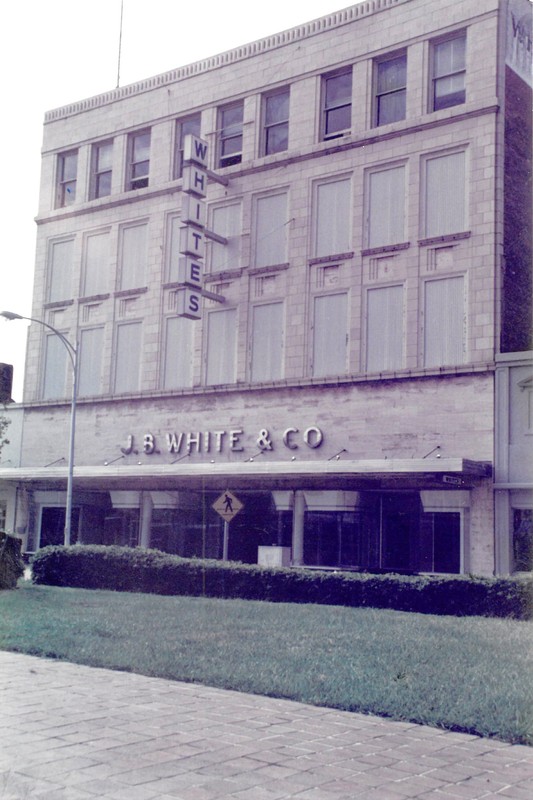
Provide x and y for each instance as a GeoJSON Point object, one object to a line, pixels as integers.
{"type": "Point", "coordinates": [358, 231]}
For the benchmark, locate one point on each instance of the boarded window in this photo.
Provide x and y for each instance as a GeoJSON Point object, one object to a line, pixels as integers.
{"type": "Point", "coordinates": [271, 230]}
{"type": "Point", "coordinates": [60, 271]}
{"type": "Point", "coordinates": [332, 217]}
{"type": "Point", "coordinates": [177, 368]}
{"type": "Point", "coordinates": [444, 322]}
{"type": "Point", "coordinates": [221, 346]}
{"type": "Point", "coordinates": [55, 368]}
{"type": "Point", "coordinates": [128, 357]}
{"type": "Point", "coordinates": [90, 363]}
{"type": "Point", "coordinates": [226, 221]}
{"type": "Point", "coordinates": [267, 342]}
{"type": "Point", "coordinates": [445, 200]}
{"type": "Point", "coordinates": [385, 329]}
{"type": "Point", "coordinates": [386, 207]}
{"type": "Point", "coordinates": [134, 255]}
{"type": "Point", "coordinates": [96, 273]}
{"type": "Point", "coordinates": [330, 335]}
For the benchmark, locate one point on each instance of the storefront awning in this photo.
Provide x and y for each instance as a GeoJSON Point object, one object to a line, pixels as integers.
{"type": "Point", "coordinates": [147, 475]}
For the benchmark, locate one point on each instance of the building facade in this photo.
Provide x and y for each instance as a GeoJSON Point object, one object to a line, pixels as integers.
{"type": "Point", "coordinates": [366, 259]}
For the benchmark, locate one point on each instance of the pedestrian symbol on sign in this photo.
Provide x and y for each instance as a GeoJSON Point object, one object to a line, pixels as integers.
{"type": "Point", "coordinates": [228, 506]}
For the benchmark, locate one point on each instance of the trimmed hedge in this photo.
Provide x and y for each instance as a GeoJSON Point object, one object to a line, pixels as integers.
{"type": "Point", "coordinates": [137, 570]}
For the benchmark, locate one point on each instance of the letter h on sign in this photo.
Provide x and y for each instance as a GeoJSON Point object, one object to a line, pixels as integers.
{"type": "Point", "coordinates": [193, 217]}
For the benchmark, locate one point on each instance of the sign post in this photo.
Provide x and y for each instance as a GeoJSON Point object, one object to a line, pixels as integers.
{"type": "Point", "coordinates": [227, 506]}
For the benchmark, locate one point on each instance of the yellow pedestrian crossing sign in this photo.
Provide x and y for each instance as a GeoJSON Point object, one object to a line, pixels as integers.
{"type": "Point", "coordinates": [227, 505]}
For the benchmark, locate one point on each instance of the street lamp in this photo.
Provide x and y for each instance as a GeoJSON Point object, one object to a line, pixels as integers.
{"type": "Point", "coordinates": [72, 351]}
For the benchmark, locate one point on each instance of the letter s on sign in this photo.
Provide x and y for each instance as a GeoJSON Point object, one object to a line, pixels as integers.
{"type": "Point", "coordinates": [287, 438]}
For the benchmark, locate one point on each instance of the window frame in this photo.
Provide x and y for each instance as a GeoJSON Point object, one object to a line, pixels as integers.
{"type": "Point", "coordinates": [123, 284]}
{"type": "Point", "coordinates": [227, 133]}
{"type": "Point", "coordinates": [138, 323]}
{"type": "Point", "coordinates": [428, 234]}
{"type": "Point", "coordinates": [232, 324]}
{"type": "Point", "coordinates": [434, 78]}
{"type": "Point", "coordinates": [315, 216]}
{"type": "Point", "coordinates": [378, 95]}
{"type": "Point", "coordinates": [267, 127]}
{"type": "Point", "coordinates": [316, 297]}
{"type": "Point", "coordinates": [253, 367]}
{"type": "Point", "coordinates": [87, 372]}
{"type": "Point", "coordinates": [64, 184]}
{"type": "Point", "coordinates": [96, 173]}
{"type": "Point", "coordinates": [370, 243]}
{"type": "Point", "coordinates": [326, 109]}
{"type": "Point", "coordinates": [257, 238]}
{"type": "Point", "coordinates": [134, 182]}
{"type": "Point", "coordinates": [179, 134]}
{"type": "Point", "coordinates": [372, 290]}
{"type": "Point", "coordinates": [427, 330]}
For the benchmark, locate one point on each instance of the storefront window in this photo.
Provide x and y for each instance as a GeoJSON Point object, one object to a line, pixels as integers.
{"type": "Point", "coordinates": [523, 539]}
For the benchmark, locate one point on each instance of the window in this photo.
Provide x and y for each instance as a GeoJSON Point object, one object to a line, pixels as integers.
{"type": "Point", "coordinates": [384, 331]}
{"type": "Point", "coordinates": [448, 79]}
{"type": "Point", "coordinates": [445, 194]}
{"type": "Point", "coordinates": [177, 367]}
{"type": "Point", "coordinates": [134, 254]}
{"type": "Point", "coordinates": [230, 121]}
{"type": "Point", "coordinates": [173, 248]}
{"type": "Point", "coordinates": [226, 221]}
{"type": "Point", "coordinates": [330, 337]}
{"type": "Point", "coordinates": [337, 105]}
{"type": "Point", "coordinates": [267, 342]}
{"type": "Point", "coordinates": [332, 217]}
{"type": "Point", "coordinates": [3, 516]}
{"type": "Point", "coordinates": [221, 346]}
{"type": "Point", "coordinates": [128, 356]}
{"type": "Point", "coordinates": [55, 368]}
{"type": "Point", "coordinates": [138, 160]}
{"type": "Point", "coordinates": [90, 365]}
{"type": "Point", "coordinates": [391, 78]}
{"type": "Point", "coordinates": [189, 125]}
{"type": "Point", "coordinates": [96, 273]}
{"type": "Point", "coordinates": [271, 230]}
{"type": "Point", "coordinates": [276, 122]}
{"type": "Point", "coordinates": [444, 322]}
{"type": "Point", "coordinates": [386, 207]}
{"type": "Point", "coordinates": [60, 270]}
{"type": "Point", "coordinates": [67, 168]}
{"type": "Point", "coordinates": [102, 169]}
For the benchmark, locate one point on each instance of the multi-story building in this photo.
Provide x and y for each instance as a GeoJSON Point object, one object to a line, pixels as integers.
{"type": "Point", "coordinates": [366, 253]}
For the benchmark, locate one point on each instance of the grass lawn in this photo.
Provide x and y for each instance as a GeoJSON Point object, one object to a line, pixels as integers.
{"type": "Point", "coordinates": [470, 673]}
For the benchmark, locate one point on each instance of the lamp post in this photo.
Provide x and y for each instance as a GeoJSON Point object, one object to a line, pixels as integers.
{"type": "Point", "coordinates": [72, 351]}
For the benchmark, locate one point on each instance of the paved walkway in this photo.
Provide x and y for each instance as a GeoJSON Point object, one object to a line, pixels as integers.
{"type": "Point", "coordinates": [69, 732]}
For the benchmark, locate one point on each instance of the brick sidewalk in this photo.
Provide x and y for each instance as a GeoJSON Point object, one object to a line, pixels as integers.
{"type": "Point", "coordinates": [70, 732]}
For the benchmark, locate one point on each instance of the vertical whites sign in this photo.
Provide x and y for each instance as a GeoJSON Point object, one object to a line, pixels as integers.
{"type": "Point", "coordinates": [193, 218]}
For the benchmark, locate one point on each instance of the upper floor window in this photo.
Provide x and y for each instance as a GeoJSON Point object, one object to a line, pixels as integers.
{"type": "Point", "coordinates": [271, 230]}
{"type": "Point", "coordinates": [67, 168]}
{"type": "Point", "coordinates": [276, 122]}
{"type": "Point", "coordinates": [138, 160]}
{"type": "Point", "coordinates": [385, 206]}
{"type": "Point", "coordinates": [331, 217]}
{"type": "Point", "coordinates": [60, 258]}
{"type": "Point", "coordinates": [336, 105]}
{"type": "Point", "coordinates": [230, 121]}
{"type": "Point", "coordinates": [96, 272]}
{"type": "Point", "coordinates": [226, 220]}
{"type": "Point", "coordinates": [445, 203]}
{"type": "Point", "coordinates": [188, 125]}
{"type": "Point", "coordinates": [391, 80]}
{"type": "Point", "coordinates": [102, 169]}
{"type": "Point", "coordinates": [133, 256]}
{"type": "Point", "coordinates": [448, 79]}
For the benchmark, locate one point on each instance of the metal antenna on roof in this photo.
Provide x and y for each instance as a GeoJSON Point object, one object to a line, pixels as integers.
{"type": "Point", "coordinates": [120, 41]}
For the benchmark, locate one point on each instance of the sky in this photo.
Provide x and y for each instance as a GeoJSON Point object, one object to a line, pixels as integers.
{"type": "Point", "coordinates": [55, 52]}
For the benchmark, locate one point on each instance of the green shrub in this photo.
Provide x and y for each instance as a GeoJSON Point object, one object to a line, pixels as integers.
{"type": "Point", "coordinates": [136, 570]}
